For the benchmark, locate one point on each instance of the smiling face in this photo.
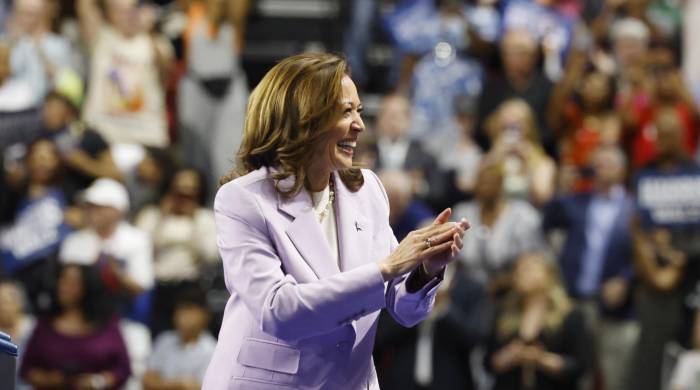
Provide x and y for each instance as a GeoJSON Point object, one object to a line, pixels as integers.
{"type": "Point", "coordinates": [336, 150]}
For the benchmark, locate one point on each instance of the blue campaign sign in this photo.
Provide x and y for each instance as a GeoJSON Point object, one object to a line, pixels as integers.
{"type": "Point", "coordinates": [36, 232]}
{"type": "Point", "coordinates": [416, 26]}
{"type": "Point", "coordinates": [436, 83]}
{"type": "Point", "coordinates": [669, 199]}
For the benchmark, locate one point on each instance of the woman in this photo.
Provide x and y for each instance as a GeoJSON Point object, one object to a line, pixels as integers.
{"type": "Point", "coordinates": [585, 119]}
{"type": "Point", "coordinates": [28, 244]}
{"type": "Point", "coordinates": [212, 95]}
{"type": "Point", "coordinates": [529, 172]}
{"type": "Point", "coordinates": [309, 257]}
{"type": "Point", "coordinates": [184, 240]}
{"type": "Point", "coordinates": [505, 228]}
{"type": "Point", "coordinates": [80, 345]}
{"type": "Point", "coordinates": [540, 341]}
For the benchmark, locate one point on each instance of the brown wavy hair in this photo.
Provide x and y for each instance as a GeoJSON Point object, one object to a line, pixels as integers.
{"type": "Point", "coordinates": [288, 113]}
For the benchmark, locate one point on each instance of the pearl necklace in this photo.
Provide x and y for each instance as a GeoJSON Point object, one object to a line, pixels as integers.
{"type": "Point", "coordinates": [331, 197]}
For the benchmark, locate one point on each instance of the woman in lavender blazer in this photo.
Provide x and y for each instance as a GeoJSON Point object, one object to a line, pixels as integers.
{"type": "Point", "coordinates": [308, 253]}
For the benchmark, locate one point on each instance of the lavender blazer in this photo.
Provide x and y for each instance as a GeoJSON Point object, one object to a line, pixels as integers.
{"type": "Point", "coordinates": [295, 319]}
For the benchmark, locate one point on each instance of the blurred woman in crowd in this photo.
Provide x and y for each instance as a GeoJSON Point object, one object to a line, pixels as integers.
{"type": "Point", "coordinates": [540, 340]}
{"type": "Point", "coordinates": [30, 241]}
{"type": "Point", "coordinates": [184, 240]}
{"type": "Point", "coordinates": [503, 227]}
{"type": "Point", "coordinates": [582, 113]}
{"type": "Point", "coordinates": [213, 93]}
{"type": "Point", "coordinates": [528, 172]}
{"type": "Point", "coordinates": [79, 345]}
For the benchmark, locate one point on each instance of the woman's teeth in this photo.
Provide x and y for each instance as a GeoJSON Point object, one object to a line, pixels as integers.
{"type": "Point", "coordinates": [347, 146]}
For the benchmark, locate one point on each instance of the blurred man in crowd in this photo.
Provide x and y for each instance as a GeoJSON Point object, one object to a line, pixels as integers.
{"type": "Point", "coordinates": [460, 153]}
{"type": "Point", "coordinates": [181, 357]}
{"type": "Point", "coordinates": [123, 252]}
{"type": "Point", "coordinates": [396, 150]}
{"type": "Point", "coordinates": [596, 259]}
{"type": "Point", "coordinates": [520, 78]}
{"type": "Point", "coordinates": [667, 261]}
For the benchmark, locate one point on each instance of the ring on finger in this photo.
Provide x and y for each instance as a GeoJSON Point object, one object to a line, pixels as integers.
{"type": "Point", "coordinates": [428, 242]}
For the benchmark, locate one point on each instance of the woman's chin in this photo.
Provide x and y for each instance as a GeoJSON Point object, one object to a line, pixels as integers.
{"type": "Point", "coordinates": [343, 162]}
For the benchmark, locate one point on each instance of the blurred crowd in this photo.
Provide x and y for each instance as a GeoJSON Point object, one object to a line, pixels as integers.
{"type": "Point", "coordinates": [565, 131]}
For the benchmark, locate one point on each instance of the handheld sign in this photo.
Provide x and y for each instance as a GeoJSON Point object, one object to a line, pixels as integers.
{"type": "Point", "coordinates": [669, 199]}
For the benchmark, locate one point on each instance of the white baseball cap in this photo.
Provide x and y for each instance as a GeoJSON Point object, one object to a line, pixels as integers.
{"type": "Point", "coordinates": [107, 192]}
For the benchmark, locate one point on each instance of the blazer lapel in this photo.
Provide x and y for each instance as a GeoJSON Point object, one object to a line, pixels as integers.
{"type": "Point", "coordinates": [306, 234]}
{"type": "Point", "coordinates": [354, 228]}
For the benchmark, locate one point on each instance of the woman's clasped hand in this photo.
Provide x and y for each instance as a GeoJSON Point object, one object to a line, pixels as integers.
{"type": "Point", "coordinates": [433, 246]}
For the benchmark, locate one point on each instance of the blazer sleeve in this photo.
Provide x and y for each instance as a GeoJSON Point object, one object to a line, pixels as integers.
{"type": "Point", "coordinates": [407, 308]}
{"type": "Point", "coordinates": [285, 308]}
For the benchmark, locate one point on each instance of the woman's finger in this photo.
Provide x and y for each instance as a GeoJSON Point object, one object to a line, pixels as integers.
{"type": "Point", "coordinates": [459, 241]}
{"type": "Point", "coordinates": [435, 249]}
{"type": "Point", "coordinates": [443, 236]}
{"type": "Point", "coordinates": [434, 230]}
{"type": "Point", "coordinates": [443, 217]}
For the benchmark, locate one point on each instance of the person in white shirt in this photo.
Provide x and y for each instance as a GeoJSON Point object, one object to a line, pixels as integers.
{"type": "Point", "coordinates": [37, 53]}
{"type": "Point", "coordinates": [184, 242]}
{"type": "Point", "coordinates": [128, 64]}
{"type": "Point", "coordinates": [124, 251]}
